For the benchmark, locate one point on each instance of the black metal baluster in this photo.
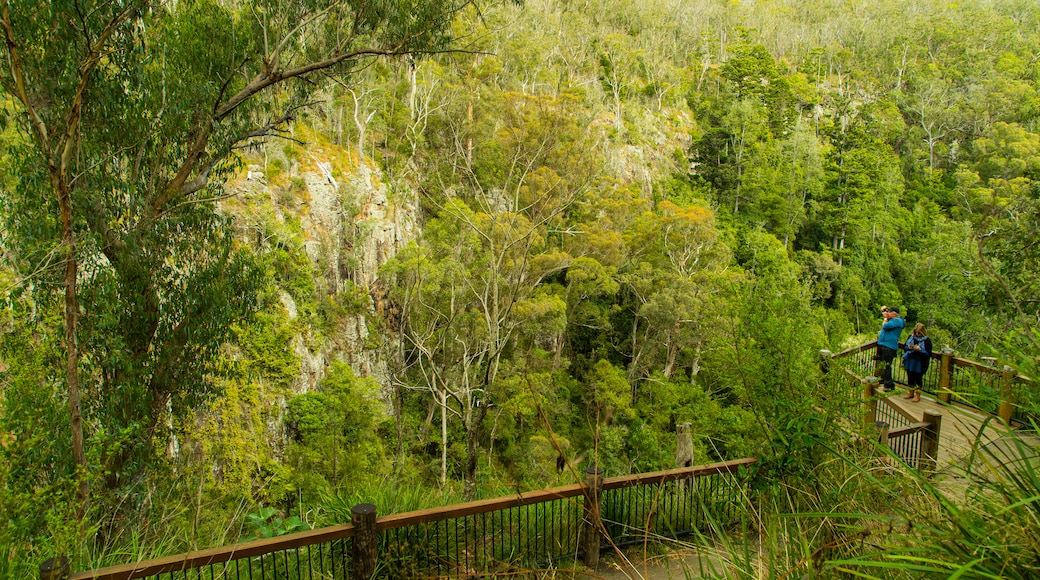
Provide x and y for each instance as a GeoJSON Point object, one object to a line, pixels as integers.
{"type": "Point", "coordinates": [426, 546]}
{"type": "Point", "coordinates": [458, 559]}
{"type": "Point", "coordinates": [554, 530]}
{"type": "Point", "coordinates": [436, 545]}
{"type": "Point", "coordinates": [346, 558]}
{"type": "Point", "coordinates": [332, 559]}
{"type": "Point", "coordinates": [481, 554]}
{"type": "Point", "coordinates": [321, 558]}
{"type": "Point", "coordinates": [469, 532]}
{"type": "Point", "coordinates": [445, 558]}
{"type": "Point", "coordinates": [500, 535]}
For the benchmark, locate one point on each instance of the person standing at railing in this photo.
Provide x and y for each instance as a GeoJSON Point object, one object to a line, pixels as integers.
{"type": "Point", "coordinates": [887, 345]}
{"type": "Point", "coordinates": [918, 354]}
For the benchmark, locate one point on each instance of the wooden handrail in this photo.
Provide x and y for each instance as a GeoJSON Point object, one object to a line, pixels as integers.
{"type": "Point", "coordinates": [218, 555]}
{"type": "Point", "coordinates": [963, 362]}
{"type": "Point", "coordinates": [900, 411]}
{"type": "Point", "coordinates": [854, 350]}
{"type": "Point", "coordinates": [906, 430]}
{"type": "Point", "coordinates": [676, 474]}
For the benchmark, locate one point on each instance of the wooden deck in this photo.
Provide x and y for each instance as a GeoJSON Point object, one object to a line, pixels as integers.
{"type": "Point", "coordinates": [964, 429]}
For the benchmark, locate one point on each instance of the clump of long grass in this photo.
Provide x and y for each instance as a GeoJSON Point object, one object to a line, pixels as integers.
{"type": "Point", "coordinates": [989, 527]}
{"type": "Point", "coordinates": [389, 497]}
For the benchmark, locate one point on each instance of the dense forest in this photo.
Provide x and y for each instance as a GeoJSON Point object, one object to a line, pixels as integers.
{"type": "Point", "coordinates": [262, 260]}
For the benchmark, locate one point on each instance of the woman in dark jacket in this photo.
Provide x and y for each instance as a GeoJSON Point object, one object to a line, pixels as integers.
{"type": "Point", "coordinates": [918, 354]}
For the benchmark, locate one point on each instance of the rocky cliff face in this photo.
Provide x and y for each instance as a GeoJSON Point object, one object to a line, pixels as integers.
{"type": "Point", "coordinates": [379, 229]}
{"type": "Point", "coordinates": [351, 225]}
{"type": "Point", "coordinates": [353, 222]}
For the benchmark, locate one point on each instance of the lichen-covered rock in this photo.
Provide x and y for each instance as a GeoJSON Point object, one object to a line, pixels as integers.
{"type": "Point", "coordinates": [352, 224]}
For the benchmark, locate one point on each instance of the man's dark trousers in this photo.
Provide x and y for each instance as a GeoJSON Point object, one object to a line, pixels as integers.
{"type": "Point", "coordinates": [884, 357]}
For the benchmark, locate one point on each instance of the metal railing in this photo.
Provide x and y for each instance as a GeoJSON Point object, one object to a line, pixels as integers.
{"type": "Point", "coordinates": [486, 538]}
{"type": "Point", "coordinates": [916, 444]}
{"type": "Point", "coordinates": [530, 531]}
{"type": "Point", "coordinates": [951, 379]}
{"type": "Point", "coordinates": [640, 507]}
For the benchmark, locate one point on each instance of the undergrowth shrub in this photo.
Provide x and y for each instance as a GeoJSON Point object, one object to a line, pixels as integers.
{"type": "Point", "coordinates": [335, 433]}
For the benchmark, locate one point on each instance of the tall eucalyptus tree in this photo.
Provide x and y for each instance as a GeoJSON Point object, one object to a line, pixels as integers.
{"type": "Point", "coordinates": [131, 114]}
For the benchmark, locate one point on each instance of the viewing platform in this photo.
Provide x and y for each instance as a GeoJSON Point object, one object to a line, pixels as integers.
{"type": "Point", "coordinates": [974, 402]}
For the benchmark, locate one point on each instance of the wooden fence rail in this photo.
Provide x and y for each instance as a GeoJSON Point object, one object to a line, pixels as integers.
{"type": "Point", "coordinates": [916, 444]}
{"type": "Point", "coordinates": [485, 538]}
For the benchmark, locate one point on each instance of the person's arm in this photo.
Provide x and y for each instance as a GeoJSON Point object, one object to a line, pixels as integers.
{"type": "Point", "coordinates": [892, 324]}
{"type": "Point", "coordinates": [926, 347]}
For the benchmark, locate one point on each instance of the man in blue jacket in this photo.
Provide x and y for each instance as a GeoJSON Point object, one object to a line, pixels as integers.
{"type": "Point", "coordinates": [887, 343]}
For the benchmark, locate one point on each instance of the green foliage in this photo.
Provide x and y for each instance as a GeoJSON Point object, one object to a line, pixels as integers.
{"type": "Point", "coordinates": [335, 432]}
{"type": "Point", "coordinates": [637, 217]}
{"type": "Point", "coordinates": [123, 143]}
{"type": "Point", "coordinates": [230, 436]}
{"type": "Point", "coordinates": [266, 523]}
{"type": "Point", "coordinates": [607, 393]}
{"type": "Point", "coordinates": [752, 73]}
{"type": "Point", "coordinates": [390, 496]}
{"type": "Point", "coordinates": [767, 358]}
{"type": "Point", "coordinates": [648, 449]}
{"type": "Point", "coordinates": [37, 482]}
{"type": "Point", "coordinates": [266, 349]}
{"type": "Point", "coordinates": [940, 278]}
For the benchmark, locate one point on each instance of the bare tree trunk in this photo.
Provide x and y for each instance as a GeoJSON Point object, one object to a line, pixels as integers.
{"type": "Point", "coordinates": [673, 353]}
{"type": "Point", "coordinates": [362, 125]}
{"type": "Point", "coordinates": [473, 430]}
{"type": "Point", "coordinates": [444, 436]}
{"type": "Point", "coordinates": [71, 345]}
{"type": "Point", "coordinates": [469, 138]}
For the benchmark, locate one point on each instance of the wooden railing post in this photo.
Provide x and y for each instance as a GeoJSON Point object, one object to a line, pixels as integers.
{"type": "Point", "coordinates": [55, 569]}
{"type": "Point", "coordinates": [945, 372]}
{"type": "Point", "coordinates": [683, 445]}
{"type": "Point", "coordinates": [928, 459]}
{"type": "Point", "coordinates": [1007, 401]}
{"type": "Point", "coordinates": [825, 361]}
{"type": "Point", "coordinates": [883, 428]}
{"type": "Point", "coordinates": [366, 545]}
{"type": "Point", "coordinates": [870, 385]}
{"type": "Point", "coordinates": [592, 524]}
